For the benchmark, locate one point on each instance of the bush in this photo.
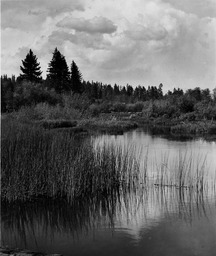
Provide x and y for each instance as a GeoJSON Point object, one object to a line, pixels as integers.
{"type": "Point", "coordinates": [118, 107]}
{"type": "Point", "coordinates": [205, 110]}
{"type": "Point", "coordinates": [43, 111]}
{"type": "Point", "coordinates": [50, 124]}
{"type": "Point", "coordinates": [136, 107]}
{"type": "Point", "coordinates": [76, 101]}
{"type": "Point", "coordinates": [191, 116]}
{"type": "Point", "coordinates": [94, 110]}
{"type": "Point", "coordinates": [186, 104]}
{"type": "Point", "coordinates": [27, 114]}
{"type": "Point", "coordinates": [27, 94]}
{"type": "Point", "coordinates": [160, 108]}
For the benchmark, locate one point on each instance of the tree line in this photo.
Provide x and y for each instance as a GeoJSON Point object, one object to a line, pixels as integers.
{"type": "Point", "coordinates": [30, 88]}
{"type": "Point", "coordinates": [59, 77]}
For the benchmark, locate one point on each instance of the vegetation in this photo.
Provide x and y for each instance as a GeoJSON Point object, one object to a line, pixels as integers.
{"type": "Point", "coordinates": [58, 73]}
{"type": "Point", "coordinates": [31, 68]}
{"type": "Point", "coordinates": [35, 101]}
{"type": "Point", "coordinates": [61, 164]}
{"type": "Point", "coordinates": [79, 216]}
{"type": "Point", "coordinates": [56, 164]}
{"type": "Point", "coordinates": [76, 78]}
{"type": "Point", "coordinates": [183, 174]}
{"type": "Point", "coordinates": [66, 96]}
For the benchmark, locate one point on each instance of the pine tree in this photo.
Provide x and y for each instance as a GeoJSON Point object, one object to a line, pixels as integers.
{"type": "Point", "coordinates": [76, 78]}
{"type": "Point", "coordinates": [31, 68]}
{"type": "Point", "coordinates": [58, 72]}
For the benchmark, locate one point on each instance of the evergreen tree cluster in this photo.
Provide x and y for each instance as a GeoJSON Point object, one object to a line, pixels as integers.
{"type": "Point", "coordinates": [59, 77]}
{"type": "Point", "coordinates": [63, 80]}
{"type": "Point", "coordinates": [29, 88]}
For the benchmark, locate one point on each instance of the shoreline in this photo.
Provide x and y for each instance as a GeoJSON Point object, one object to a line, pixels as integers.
{"type": "Point", "coordinates": [116, 123]}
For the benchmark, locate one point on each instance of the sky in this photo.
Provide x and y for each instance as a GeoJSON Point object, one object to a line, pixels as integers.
{"type": "Point", "coordinates": [136, 42]}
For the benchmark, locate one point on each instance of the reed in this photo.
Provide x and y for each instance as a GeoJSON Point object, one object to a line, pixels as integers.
{"type": "Point", "coordinates": [59, 164]}
{"type": "Point", "coordinates": [81, 216]}
{"type": "Point", "coordinates": [54, 164]}
{"type": "Point", "coordinates": [183, 172]}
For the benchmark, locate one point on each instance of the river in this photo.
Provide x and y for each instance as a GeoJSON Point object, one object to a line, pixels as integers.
{"type": "Point", "coordinates": [158, 220]}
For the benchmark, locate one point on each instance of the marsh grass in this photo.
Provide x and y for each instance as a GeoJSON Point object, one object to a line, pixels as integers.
{"type": "Point", "coordinates": [107, 125]}
{"type": "Point", "coordinates": [38, 163]}
{"type": "Point", "coordinates": [80, 217]}
{"type": "Point", "coordinates": [59, 164]}
{"type": "Point", "coordinates": [184, 172]}
{"type": "Point", "coordinates": [194, 127]}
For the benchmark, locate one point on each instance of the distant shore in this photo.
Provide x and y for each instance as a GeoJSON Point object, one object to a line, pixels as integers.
{"type": "Point", "coordinates": [119, 122]}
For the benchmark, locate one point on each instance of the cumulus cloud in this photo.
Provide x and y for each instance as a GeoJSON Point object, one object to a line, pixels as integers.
{"type": "Point", "coordinates": [27, 14]}
{"type": "Point", "coordinates": [200, 8]}
{"type": "Point", "coordinates": [80, 39]}
{"type": "Point", "coordinates": [167, 44]}
{"type": "Point", "coordinates": [139, 42]}
{"type": "Point", "coordinates": [140, 32]}
{"type": "Point", "coordinates": [95, 25]}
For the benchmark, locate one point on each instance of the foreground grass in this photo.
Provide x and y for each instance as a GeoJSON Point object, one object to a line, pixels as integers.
{"type": "Point", "coordinates": [57, 164]}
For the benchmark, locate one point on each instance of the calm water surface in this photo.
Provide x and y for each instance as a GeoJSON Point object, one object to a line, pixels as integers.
{"type": "Point", "coordinates": [168, 151]}
{"type": "Point", "coordinates": [153, 221]}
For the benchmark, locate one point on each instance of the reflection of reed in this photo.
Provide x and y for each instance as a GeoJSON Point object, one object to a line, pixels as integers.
{"type": "Point", "coordinates": [55, 216]}
{"type": "Point", "coordinates": [119, 209]}
{"type": "Point", "coordinates": [184, 172]}
{"type": "Point", "coordinates": [187, 205]}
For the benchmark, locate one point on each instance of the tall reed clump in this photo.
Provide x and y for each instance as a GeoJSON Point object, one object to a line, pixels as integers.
{"type": "Point", "coordinates": [57, 164]}
{"type": "Point", "coordinates": [185, 171]}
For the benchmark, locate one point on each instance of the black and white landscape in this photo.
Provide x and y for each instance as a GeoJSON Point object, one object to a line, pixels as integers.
{"type": "Point", "coordinates": [108, 127]}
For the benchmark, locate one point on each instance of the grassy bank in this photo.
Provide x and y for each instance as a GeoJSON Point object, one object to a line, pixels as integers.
{"type": "Point", "coordinates": [52, 117]}
{"type": "Point", "coordinates": [80, 113]}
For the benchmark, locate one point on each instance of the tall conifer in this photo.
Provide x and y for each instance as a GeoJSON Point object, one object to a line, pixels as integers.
{"type": "Point", "coordinates": [76, 78]}
{"type": "Point", "coordinates": [31, 68]}
{"type": "Point", "coordinates": [58, 72]}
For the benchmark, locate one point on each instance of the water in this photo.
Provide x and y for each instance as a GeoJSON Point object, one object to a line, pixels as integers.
{"type": "Point", "coordinates": [165, 150]}
{"type": "Point", "coordinates": [153, 221]}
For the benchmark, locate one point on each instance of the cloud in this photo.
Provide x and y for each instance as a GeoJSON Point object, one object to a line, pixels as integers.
{"type": "Point", "coordinates": [80, 39]}
{"type": "Point", "coordinates": [29, 14]}
{"type": "Point", "coordinates": [95, 25]}
{"type": "Point", "coordinates": [167, 44]}
{"type": "Point", "coordinates": [137, 42]}
{"type": "Point", "coordinates": [200, 8]}
{"type": "Point", "coordinates": [140, 32]}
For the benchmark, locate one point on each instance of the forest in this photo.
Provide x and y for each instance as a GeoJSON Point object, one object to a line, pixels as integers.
{"type": "Point", "coordinates": [65, 95]}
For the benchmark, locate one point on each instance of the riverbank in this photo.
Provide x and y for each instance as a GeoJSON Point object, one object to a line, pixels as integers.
{"type": "Point", "coordinates": [101, 124]}
{"type": "Point", "coordinates": [119, 122]}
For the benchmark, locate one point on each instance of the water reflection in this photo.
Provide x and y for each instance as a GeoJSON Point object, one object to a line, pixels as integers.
{"type": "Point", "coordinates": [131, 218]}
{"type": "Point", "coordinates": [160, 150]}
{"type": "Point", "coordinates": [148, 220]}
